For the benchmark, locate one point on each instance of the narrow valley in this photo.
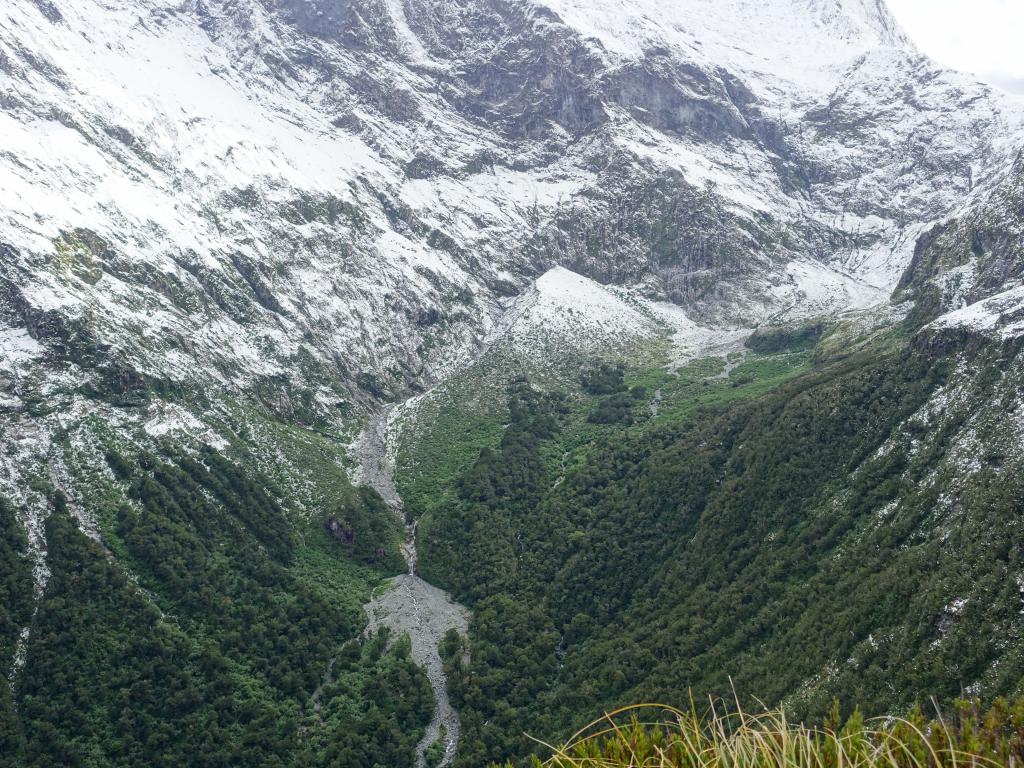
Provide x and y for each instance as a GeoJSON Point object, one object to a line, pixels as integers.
{"type": "Point", "coordinates": [408, 605]}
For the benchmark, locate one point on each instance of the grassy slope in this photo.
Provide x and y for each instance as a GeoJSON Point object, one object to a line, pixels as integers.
{"type": "Point", "coordinates": [447, 430]}
{"type": "Point", "coordinates": [664, 737]}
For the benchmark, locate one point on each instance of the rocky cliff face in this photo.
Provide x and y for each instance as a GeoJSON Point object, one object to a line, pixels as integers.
{"type": "Point", "coordinates": [974, 255]}
{"type": "Point", "coordinates": [359, 175]}
{"type": "Point", "coordinates": [218, 208]}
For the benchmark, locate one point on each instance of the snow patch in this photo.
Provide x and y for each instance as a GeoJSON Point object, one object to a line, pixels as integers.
{"type": "Point", "coordinates": [692, 341]}
{"type": "Point", "coordinates": [411, 44]}
{"type": "Point", "coordinates": [169, 418]}
{"type": "Point", "coordinates": [808, 43]}
{"type": "Point", "coordinates": [1000, 316]}
{"type": "Point", "coordinates": [567, 309]}
{"type": "Point", "coordinates": [815, 289]}
{"type": "Point", "coordinates": [17, 347]}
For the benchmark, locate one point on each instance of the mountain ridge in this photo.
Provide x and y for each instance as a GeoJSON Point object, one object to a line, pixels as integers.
{"type": "Point", "coordinates": [807, 42]}
{"type": "Point", "coordinates": [257, 196]}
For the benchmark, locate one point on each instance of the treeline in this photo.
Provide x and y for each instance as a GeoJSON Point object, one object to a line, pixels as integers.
{"type": "Point", "coordinates": [743, 548]}
{"type": "Point", "coordinates": [198, 644]}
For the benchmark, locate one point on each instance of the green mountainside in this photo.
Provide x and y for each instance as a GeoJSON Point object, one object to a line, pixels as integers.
{"type": "Point", "coordinates": [847, 534]}
{"type": "Point", "coordinates": [208, 629]}
{"type": "Point", "coordinates": [824, 513]}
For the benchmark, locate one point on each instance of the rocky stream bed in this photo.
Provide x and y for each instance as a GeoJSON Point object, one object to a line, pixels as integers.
{"type": "Point", "coordinates": [410, 606]}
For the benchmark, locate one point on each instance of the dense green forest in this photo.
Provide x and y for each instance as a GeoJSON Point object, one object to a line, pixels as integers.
{"type": "Point", "coordinates": [793, 546]}
{"type": "Point", "coordinates": [15, 613]}
{"type": "Point", "coordinates": [205, 641]}
{"type": "Point", "coordinates": [793, 532]}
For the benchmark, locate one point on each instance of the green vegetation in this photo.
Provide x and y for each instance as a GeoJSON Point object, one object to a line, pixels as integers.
{"type": "Point", "coordinates": [15, 613]}
{"type": "Point", "coordinates": [468, 414]}
{"type": "Point", "coordinates": [791, 519]}
{"type": "Point", "coordinates": [655, 736]}
{"type": "Point", "coordinates": [772, 339]}
{"type": "Point", "coordinates": [374, 711]}
{"type": "Point", "coordinates": [704, 384]}
{"type": "Point", "coordinates": [233, 642]}
{"type": "Point", "coordinates": [435, 752]}
{"type": "Point", "coordinates": [367, 530]}
{"type": "Point", "coordinates": [604, 379]}
{"type": "Point", "coordinates": [450, 430]}
{"type": "Point", "coordinates": [616, 400]}
{"type": "Point", "coordinates": [327, 569]}
{"type": "Point", "coordinates": [739, 533]}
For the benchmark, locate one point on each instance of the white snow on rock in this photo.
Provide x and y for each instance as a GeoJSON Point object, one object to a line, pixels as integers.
{"type": "Point", "coordinates": [999, 316]}
{"type": "Point", "coordinates": [813, 289]}
{"type": "Point", "coordinates": [17, 347]}
{"type": "Point", "coordinates": [168, 419]}
{"type": "Point", "coordinates": [565, 310]}
{"type": "Point", "coordinates": [691, 340]}
{"type": "Point", "coordinates": [563, 293]}
{"type": "Point", "coordinates": [177, 133]}
{"type": "Point", "coordinates": [283, 212]}
{"type": "Point", "coordinates": [412, 46]}
{"type": "Point", "coordinates": [804, 42]}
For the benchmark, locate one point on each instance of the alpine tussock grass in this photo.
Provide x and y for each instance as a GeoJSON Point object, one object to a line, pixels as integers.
{"type": "Point", "coordinates": [659, 736]}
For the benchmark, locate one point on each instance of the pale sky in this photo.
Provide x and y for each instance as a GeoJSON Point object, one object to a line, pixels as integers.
{"type": "Point", "coordinates": [985, 37]}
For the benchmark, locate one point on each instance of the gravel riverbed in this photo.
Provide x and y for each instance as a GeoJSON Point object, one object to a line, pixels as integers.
{"type": "Point", "coordinates": [410, 606]}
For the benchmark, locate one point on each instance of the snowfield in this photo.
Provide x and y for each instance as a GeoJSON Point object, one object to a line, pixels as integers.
{"type": "Point", "coordinates": [807, 44]}
{"type": "Point", "coordinates": [1001, 316]}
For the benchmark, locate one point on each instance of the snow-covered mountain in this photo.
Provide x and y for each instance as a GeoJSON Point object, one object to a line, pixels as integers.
{"type": "Point", "coordinates": [974, 255]}
{"type": "Point", "coordinates": [315, 207]}
{"type": "Point", "coordinates": [236, 234]}
{"type": "Point", "coordinates": [790, 50]}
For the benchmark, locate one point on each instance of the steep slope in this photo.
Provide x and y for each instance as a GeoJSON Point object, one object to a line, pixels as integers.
{"type": "Point", "coordinates": [232, 230]}
{"type": "Point", "coordinates": [285, 203]}
{"type": "Point", "coordinates": [855, 533]}
{"type": "Point", "coordinates": [324, 207]}
{"type": "Point", "coordinates": [973, 255]}
{"type": "Point", "coordinates": [801, 43]}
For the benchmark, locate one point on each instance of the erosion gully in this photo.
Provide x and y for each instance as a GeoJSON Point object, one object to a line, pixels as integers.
{"type": "Point", "coordinates": [410, 606]}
